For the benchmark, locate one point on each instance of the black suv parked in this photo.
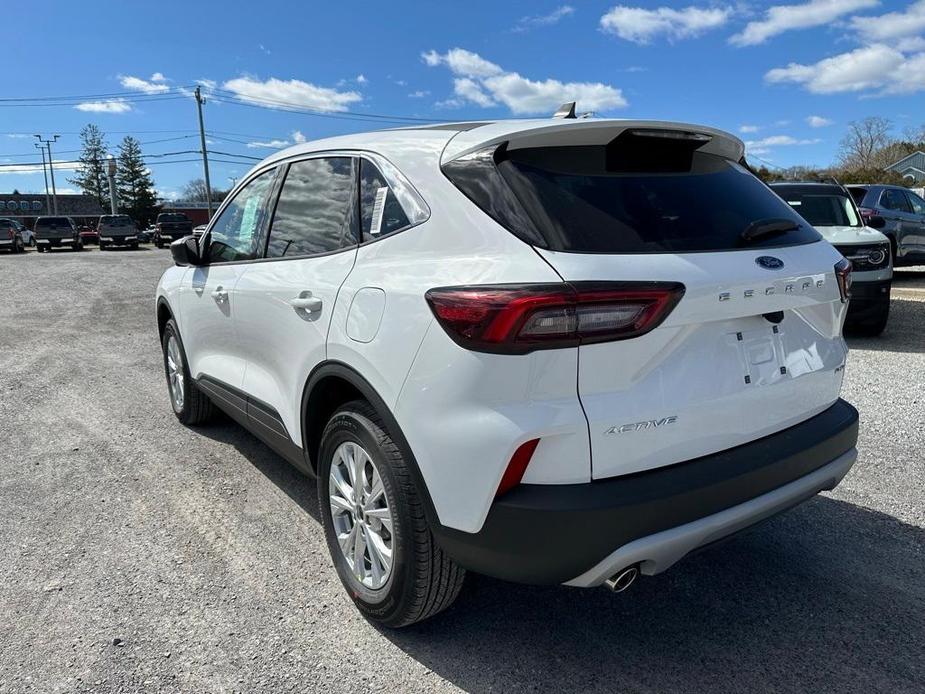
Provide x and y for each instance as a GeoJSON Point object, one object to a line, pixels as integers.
{"type": "Point", "coordinates": [171, 226]}
{"type": "Point", "coordinates": [904, 212]}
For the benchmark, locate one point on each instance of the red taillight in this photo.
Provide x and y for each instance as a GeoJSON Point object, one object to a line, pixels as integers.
{"type": "Point", "coordinates": [12, 233]}
{"type": "Point", "coordinates": [843, 276]}
{"type": "Point", "coordinates": [519, 318]}
{"type": "Point", "coordinates": [517, 467]}
{"type": "Point", "coordinates": [868, 212]}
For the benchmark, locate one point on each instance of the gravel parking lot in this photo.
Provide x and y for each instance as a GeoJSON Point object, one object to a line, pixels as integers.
{"type": "Point", "coordinates": [138, 555]}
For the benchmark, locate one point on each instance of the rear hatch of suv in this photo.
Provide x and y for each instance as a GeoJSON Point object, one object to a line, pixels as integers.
{"type": "Point", "coordinates": [754, 344]}
{"type": "Point", "coordinates": [174, 225]}
{"type": "Point", "coordinates": [53, 228]}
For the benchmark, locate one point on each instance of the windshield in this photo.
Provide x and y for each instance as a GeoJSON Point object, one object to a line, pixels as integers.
{"type": "Point", "coordinates": [52, 222]}
{"type": "Point", "coordinates": [823, 209]}
{"type": "Point", "coordinates": [172, 217]}
{"type": "Point", "coordinates": [621, 199]}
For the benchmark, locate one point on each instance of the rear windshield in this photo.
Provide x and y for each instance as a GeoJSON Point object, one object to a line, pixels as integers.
{"type": "Point", "coordinates": [52, 222]}
{"type": "Point", "coordinates": [119, 220]}
{"type": "Point", "coordinates": [822, 209]}
{"type": "Point", "coordinates": [593, 199]}
{"type": "Point", "coordinates": [172, 217]}
{"type": "Point", "coordinates": [858, 194]}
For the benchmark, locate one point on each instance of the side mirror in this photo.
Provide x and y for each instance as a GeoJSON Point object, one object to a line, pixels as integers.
{"type": "Point", "coordinates": [185, 251]}
{"type": "Point", "coordinates": [876, 222]}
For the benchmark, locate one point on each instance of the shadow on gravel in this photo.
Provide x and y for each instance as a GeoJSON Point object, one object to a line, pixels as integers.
{"type": "Point", "coordinates": [905, 330]}
{"type": "Point", "coordinates": [825, 598]}
{"type": "Point", "coordinates": [298, 487]}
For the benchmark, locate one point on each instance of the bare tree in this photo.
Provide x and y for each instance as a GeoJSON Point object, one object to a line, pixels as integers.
{"type": "Point", "coordinates": [195, 191]}
{"type": "Point", "coordinates": [865, 144]}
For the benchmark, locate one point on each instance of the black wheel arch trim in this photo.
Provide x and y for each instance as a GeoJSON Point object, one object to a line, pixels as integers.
{"type": "Point", "coordinates": [343, 371]}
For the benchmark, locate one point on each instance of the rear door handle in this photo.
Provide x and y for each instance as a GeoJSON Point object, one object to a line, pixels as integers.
{"type": "Point", "coordinates": [220, 295]}
{"type": "Point", "coordinates": [306, 302]}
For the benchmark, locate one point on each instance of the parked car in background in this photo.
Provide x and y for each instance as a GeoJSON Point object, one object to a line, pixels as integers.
{"type": "Point", "coordinates": [54, 232]}
{"type": "Point", "coordinates": [833, 213]}
{"type": "Point", "coordinates": [551, 351]}
{"type": "Point", "coordinates": [200, 230]}
{"type": "Point", "coordinates": [145, 235]}
{"type": "Point", "coordinates": [11, 236]}
{"type": "Point", "coordinates": [171, 226]}
{"type": "Point", "coordinates": [28, 238]}
{"type": "Point", "coordinates": [117, 230]}
{"type": "Point", "coordinates": [904, 212]}
{"type": "Point", "coordinates": [88, 235]}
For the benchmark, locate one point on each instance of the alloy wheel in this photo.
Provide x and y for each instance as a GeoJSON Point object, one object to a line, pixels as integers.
{"type": "Point", "coordinates": [175, 378]}
{"type": "Point", "coordinates": [362, 518]}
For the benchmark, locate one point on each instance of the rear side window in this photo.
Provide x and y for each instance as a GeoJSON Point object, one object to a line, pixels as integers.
{"type": "Point", "coordinates": [172, 217]}
{"type": "Point", "coordinates": [604, 199]}
{"type": "Point", "coordinates": [317, 208]}
{"type": "Point", "coordinates": [893, 199]}
{"type": "Point", "coordinates": [918, 205]}
{"type": "Point", "coordinates": [380, 212]}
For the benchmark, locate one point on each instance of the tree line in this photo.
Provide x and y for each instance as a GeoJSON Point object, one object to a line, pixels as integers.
{"type": "Point", "coordinates": [863, 155]}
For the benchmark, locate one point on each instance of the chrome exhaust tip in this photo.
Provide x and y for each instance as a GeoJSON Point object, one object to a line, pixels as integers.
{"type": "Point", "coordinates": [622, 580]}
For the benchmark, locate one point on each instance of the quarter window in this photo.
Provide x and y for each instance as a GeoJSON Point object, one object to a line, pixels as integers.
{"type": "Point", "coordinates": [918, 205]}
{"type": "Point", "coordinates": [317, 208]}
{"type": "Point", "coordinates": [380, 210]}
{"type": "Point", "coordinates": [235, 234]}
{"type": "Point", "coordinates": [895, 200]}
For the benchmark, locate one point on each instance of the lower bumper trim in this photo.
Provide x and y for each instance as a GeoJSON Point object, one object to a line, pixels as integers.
{"type": "Point", "coordinates": [658, 552]}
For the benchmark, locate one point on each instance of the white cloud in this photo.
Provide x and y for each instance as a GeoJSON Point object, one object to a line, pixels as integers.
{"type": "Point", "coordinates": [208, 84]}
{"type": "Point", "coordinates": [484, 83]}
{"type": "Point", "coordinates": [749, 128]}
{"type": "Point", "coordinates": [877, 68]}
{"type": "Point", "coordinates": [469, 90]}
{"type": "Point", "coordinates": [766, 144]}
{"type": "Point", "coordinates": [640, 25]}
{"type": "Point", "coordinates": [911, 44]}
{"type": "Point", "coordinates": [892, 24]}
{"type": "Point", "coordinates": [139, 85]}
{"type": "Point", "coordinates": [291, 93]}
{"type": "Point", "coordinates": [361, 79]}
{"type": "Point", "coordinates": [781, 18]}
{"type": "Point", "coordinates": [109, 106]}
{"type": "Point", "coordinates": [419, 94]}
{"type": "Point", "coordinates": [18, 136]}
{"type": "Point", "coordinates": [26, 169]}
{"type": "Point", "coordinates": [296, 138]}
{"type": "Point", "coordinates": [158, 77]}
{"type": "Point", "coordinates": [818, 122]}
{"type": "Point", "coordinates": [541, 20]}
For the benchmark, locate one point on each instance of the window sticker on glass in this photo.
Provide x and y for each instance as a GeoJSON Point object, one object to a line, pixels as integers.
{"type": "Point", "coordinates": [378, 210]}
{"type": "Point", "coordinates": [249, 218]}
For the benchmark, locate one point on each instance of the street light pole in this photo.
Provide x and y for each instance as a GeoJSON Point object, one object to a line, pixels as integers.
{"type": "Point", "coordinates": [112, 183]}
{"type": "Point", "coordinates": [51, 171]}
{"type": "Point", "coordinates": [41, 149]}
{"type": "Point", "coordinates": [205, 158]}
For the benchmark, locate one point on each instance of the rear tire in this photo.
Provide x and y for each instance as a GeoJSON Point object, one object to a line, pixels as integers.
{"type": "Point", "coordinates": [190, 405]}
{"type": "Point", "coordinates": [421, 580]}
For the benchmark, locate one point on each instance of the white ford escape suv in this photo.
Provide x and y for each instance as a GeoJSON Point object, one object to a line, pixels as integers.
{"type": "Point", "coordinates": [551, 351]}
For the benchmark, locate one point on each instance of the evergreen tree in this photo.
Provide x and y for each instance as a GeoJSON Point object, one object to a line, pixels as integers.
{"type": "Point", "coordinates": [90, 175]}
{"type": "Point", "coordinates": [134, 186]}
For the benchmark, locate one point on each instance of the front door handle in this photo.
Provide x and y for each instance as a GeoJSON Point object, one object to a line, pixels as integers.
{"type": "Point", "coordinates": [306, 302]}
{"type": "Point", "coordinates": [220, 295]}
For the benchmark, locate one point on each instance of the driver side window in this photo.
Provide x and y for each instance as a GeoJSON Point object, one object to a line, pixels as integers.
{"type": "Point", "coordinates": [236, 232]}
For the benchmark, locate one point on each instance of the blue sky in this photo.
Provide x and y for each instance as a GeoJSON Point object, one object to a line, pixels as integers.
{"type": "Point", "coordinates": [787, 78]}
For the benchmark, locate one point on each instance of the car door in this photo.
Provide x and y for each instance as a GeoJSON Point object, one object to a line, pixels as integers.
{"type": "Point", "coordinates": [915, 239]}
{"type": "Point", "coordinates": [898, 214]}
{"type": "Point", "coordinates": [286, 299]}
{"type": "Point", "coordinates": [207, 300]}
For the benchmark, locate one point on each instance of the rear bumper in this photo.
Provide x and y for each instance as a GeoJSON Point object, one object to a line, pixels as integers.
{"type": "Point", "coordinates": [581, 534]}
{"type": "Point", "coordinates": [55, 242]}
{"type": "Point", "coordinates": [868, 299]}
{"type": "Point", "coordinates": [119, 240]}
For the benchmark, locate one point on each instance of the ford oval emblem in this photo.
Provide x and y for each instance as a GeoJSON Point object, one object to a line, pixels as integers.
{"type": "Point", "coordinates": [769, 262]}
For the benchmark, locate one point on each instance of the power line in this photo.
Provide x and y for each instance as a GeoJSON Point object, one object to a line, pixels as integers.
{"type": "Point", "coordinates": [84, 97]}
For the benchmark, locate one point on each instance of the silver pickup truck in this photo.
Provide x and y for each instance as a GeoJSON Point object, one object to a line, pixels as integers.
{"type": "Point", "coordinates": [53, 232]}
{"type": "Point", "coordinates": [117, 230]}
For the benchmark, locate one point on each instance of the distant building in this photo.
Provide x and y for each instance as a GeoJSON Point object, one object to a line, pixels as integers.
{"type": "Point", "coordinates": [198, 212]}
{"type": "Point", "coordinates": [911, 167]}
{"type": "Point", "coordinates": [25, 207]}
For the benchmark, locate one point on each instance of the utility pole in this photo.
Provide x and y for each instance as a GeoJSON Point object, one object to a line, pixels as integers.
{"type": "Point", "coordinates": [51, 170]}
{"type": "Point", "coordinates": [111, 171]}
{"type": "Point", "coordinates": [205, 158]}
{"type": "Point", "coordinates": [41, 149]}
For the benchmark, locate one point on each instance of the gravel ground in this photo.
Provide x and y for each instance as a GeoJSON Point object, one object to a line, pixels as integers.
{"type": "Point", "coordinates": [138, 555]}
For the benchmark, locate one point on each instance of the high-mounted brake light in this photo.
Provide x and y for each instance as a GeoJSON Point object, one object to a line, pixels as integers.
{"type": "Point", "coordinates": [521, 318]}
{"type": "Point", "coordinates": [843, 276]}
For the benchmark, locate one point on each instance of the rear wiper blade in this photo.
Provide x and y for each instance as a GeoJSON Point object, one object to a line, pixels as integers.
{"type": "Point", "coordinates": [768, 227]}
